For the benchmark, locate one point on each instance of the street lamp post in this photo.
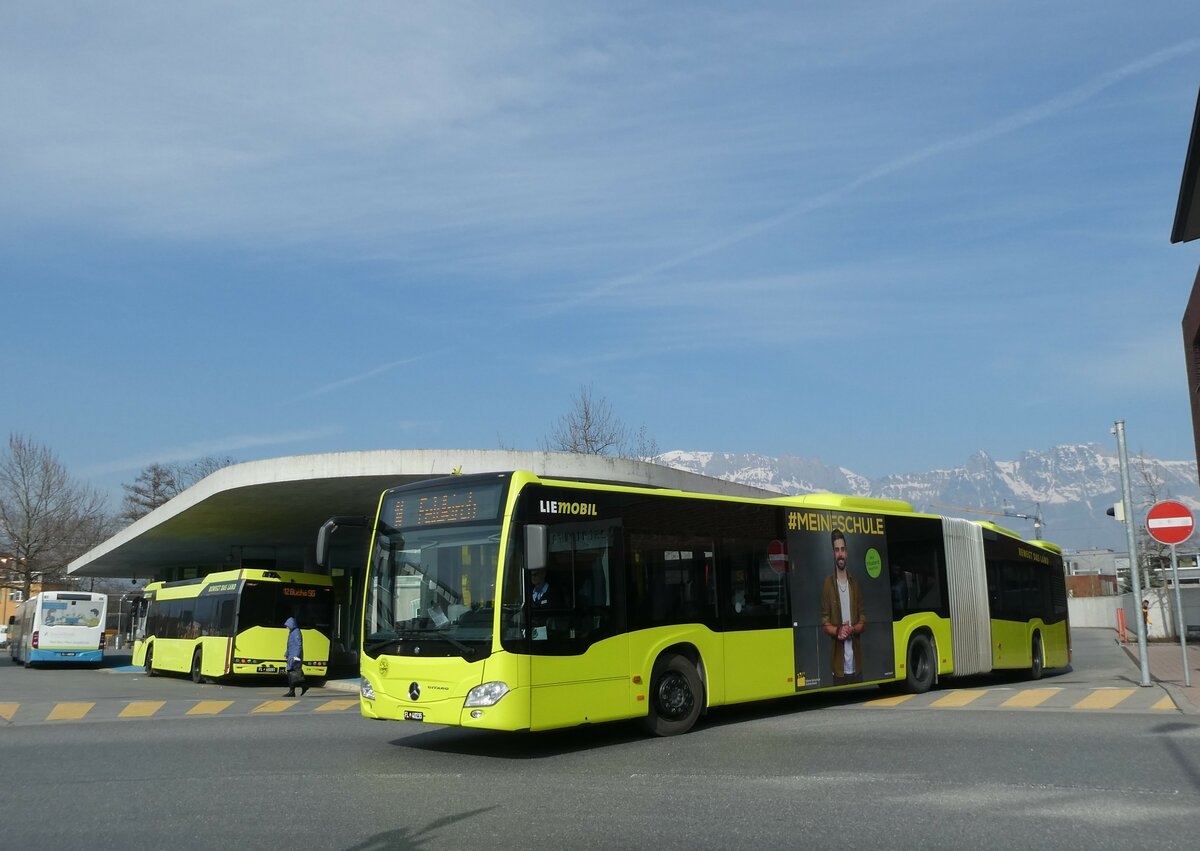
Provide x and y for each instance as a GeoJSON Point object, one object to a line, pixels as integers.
{"type": "Point", "coordinates": [1127, 497]}
{"type": "Point", "coordinates": [120, 611]}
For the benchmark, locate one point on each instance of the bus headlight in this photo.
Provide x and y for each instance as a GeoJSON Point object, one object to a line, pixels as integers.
{"type": "Point", "coordinates": [366, 689]}
{"type": "Point", "coordinates": [487, 694]}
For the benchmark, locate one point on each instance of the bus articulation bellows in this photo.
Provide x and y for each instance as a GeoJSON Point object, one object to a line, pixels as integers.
{"type": "Point", "coordinates": [232, 623]}
{"type": "Point", "coordinates": [511, 602]}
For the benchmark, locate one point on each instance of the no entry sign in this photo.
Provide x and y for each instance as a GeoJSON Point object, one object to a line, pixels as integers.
{"type": "Point", "coordinates": [1169, 522]}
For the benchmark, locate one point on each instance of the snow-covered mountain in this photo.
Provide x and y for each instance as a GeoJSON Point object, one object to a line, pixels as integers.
{"type": "Point", "coordinates": [1071, 487]}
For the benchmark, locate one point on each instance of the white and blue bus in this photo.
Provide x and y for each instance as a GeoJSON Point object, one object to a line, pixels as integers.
{"type": "Point", "coordinates": [59, 626]}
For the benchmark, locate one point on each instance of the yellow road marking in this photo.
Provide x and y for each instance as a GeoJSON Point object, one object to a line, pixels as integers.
{"type": "Point", "coordinates": [890, 701]}
{"type": "Point", "coordinates": [69, 711]}
{"type": "Point", "coordinates": [8, 710]}
{"type": "Point", "coordinates": [1104, 698]}
{"type": "Point", "coordinates": [1030, 698]}
{"type": "Point", "coordinates": [336, 705]}
{"type": "Point", "coordinates": [210, 707]}
{"type": "Point", "coordinates": [1165, 703]}
{"type": "Point", "coordinates": [274, 706]}
{"type": "Point", "coordinates": [958, 698]}
{"type": "Point", "coordinates": [142, 708]}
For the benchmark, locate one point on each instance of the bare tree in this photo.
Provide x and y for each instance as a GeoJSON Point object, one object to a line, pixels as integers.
{"type": "Point", "coordinates": [589, 428]}
{"type": "Point", "coordinates": [153, 486]}
{"type": "Point", "coordinates": [1149, 483]}
{"type": "Point", "coordinates": [645, 447]}
{"type": "Point", "coordinates": [46, 518]}
{"type": "Point", "coordinates": [159, 483]}
{"type": "Point", "coordinates": [203, 467]}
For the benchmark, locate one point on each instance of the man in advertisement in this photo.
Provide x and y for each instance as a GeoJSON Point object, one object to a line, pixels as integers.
{"type": "Point", "coordinates": [843, 616]}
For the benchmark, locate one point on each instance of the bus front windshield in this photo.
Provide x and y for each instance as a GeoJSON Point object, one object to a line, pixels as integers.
{"type": "Point", "coordinates": [432, 591]}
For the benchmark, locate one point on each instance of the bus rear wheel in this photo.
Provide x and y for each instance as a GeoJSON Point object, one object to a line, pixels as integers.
{"type": "Point", "coordinates": [1037, 658]}
{"type": "Point", "coordinates": [920, 668]}
{"type": "Point", "coordinates": [197, 666]}
{"type": "Point", "coordinates": [675, 696]}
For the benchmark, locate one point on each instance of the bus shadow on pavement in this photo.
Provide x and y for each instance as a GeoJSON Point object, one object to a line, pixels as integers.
{"type": "Point", "coordinates": [525, 745]}
{"type": "Point", "coordinates": [553, 743]}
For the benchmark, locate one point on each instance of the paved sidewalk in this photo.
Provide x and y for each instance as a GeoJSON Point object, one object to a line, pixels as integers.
{"type": "Point", "coordinates": [1166, 669]}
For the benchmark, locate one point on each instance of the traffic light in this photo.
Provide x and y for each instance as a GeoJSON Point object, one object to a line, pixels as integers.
{"type": "Point", "coordinates": [1117, 511]}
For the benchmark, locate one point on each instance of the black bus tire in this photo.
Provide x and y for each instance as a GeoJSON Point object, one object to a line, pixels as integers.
{"type": "Point", "coordinates": [148, 665]}
{"type": "Point", "coordinates": [920, 666]}
{"type": "Point", "coordinates": [676, 696]}
{"type": "Point", "coordinates": [197, 666]}
{"type": "Point", "coordinates": [1037, 657]}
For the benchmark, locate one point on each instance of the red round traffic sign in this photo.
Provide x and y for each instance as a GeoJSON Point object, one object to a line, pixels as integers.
{"type": "Point", "coordinates": [1169, 522]}
{"type": "Point", "coordinates": [777, 556]}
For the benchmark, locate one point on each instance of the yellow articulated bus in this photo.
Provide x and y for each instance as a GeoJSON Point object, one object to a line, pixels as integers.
{"type": "Point", "coordinates": [232, 623]}
{"type": "Point", "coordinates": [511, 602]}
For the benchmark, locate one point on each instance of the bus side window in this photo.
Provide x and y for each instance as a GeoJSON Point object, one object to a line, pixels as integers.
{"type": "Point", "coordinates": [226, 610]}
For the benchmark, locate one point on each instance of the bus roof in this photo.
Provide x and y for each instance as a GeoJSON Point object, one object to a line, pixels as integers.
{"type": "Point", "coordinates": [254, 574]}
{"type": "Point", "coordinates": [815, 501]}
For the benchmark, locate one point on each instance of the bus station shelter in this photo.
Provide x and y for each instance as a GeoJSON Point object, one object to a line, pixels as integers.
{"type": "Point", "coordinates": [266, 514]}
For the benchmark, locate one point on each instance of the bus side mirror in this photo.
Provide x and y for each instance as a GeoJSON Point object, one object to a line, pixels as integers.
{"type": "Point", "coordinates": [536, 550]}
{"type": "Point", "coordinates": [330, 526]}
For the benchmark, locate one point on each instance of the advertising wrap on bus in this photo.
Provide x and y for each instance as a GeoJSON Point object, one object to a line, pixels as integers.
{"type": "Point", "coordinates": [59, 627]}
{"type": "Point", "coordinates": [510, 602]}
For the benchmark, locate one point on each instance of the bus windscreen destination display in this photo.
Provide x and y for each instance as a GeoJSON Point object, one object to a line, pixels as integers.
{"type": "Point", "coordinates": [432, 508]}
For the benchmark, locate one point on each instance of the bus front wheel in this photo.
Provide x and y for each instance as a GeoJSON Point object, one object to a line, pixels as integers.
{"type": "Point", "coordinates": [197, 665]}
{"type": "Point", "coordinates": [675, 696]}
{"type": "Point", "coordinates": [921, 668]}
{"type": "Point", "coordinates": [1037, 658]}
{"type": "Point", "coordinates": [148, 665]}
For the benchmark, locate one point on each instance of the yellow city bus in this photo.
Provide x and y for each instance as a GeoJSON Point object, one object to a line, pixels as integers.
{"type": "Point", "coordinates": [232, 623]}
{"type": "Point", "coordinates": [661, 604]}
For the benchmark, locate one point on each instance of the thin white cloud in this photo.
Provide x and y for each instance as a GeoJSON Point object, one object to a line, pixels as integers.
{"type": "Point", "coordinates": [202, 448]}
{"type": "Point", "coordinates": [1009, 124]}
{"type": "Point", "coordinates": [1149, 363]}
{"type": "Point", "coordinates": [355, 379]}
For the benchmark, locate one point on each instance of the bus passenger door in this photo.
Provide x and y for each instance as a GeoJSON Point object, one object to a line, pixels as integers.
{"type": "Point", "coordinates": [579, 668]}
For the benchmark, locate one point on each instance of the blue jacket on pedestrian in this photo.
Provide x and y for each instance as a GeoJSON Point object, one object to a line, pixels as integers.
{"type": "Point", "coordinates": [295, 644]}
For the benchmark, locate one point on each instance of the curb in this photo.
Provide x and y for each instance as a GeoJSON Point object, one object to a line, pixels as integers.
{"type": "Point", "coordinates": [350, 685]}
{"type": "Point", "coordinates": [1180, 697]}
{"type": "Point", "coordinates": [342, 685]}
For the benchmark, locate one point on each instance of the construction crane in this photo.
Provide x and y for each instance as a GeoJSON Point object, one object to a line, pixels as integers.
{"type": "Point", "coordinates": [1036, 517]}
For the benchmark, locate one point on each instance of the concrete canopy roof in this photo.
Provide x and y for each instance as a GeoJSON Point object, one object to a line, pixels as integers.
{"type": "Point", "coordinates": [273, 508]}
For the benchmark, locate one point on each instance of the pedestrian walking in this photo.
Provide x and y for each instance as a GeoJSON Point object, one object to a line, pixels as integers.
{"type": "Point", "coordinates": [295, 659]}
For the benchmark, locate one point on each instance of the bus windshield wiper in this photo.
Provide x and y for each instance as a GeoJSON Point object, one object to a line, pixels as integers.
{"type": "Point", "coordinates": [466, 649]}
{"type": "Point", "coordinates": [379, 645]}
{"type": "Point", "coordinates": [413, 632]}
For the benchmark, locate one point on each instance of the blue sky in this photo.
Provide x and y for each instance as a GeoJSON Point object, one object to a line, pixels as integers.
{"type": "Point", "coordinates": [885, 235]}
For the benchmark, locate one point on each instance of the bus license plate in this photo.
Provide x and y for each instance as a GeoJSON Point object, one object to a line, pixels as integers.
{"type": "Point", "coordinates": [268, 669]}
{"type": "Point", "coordinates": [410, 715]}
{"type": "Point", "coordinates": [66, 654]}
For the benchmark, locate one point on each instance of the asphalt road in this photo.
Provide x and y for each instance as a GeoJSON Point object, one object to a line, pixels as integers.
{"type": "Point", "coordinates": [830, 771]}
